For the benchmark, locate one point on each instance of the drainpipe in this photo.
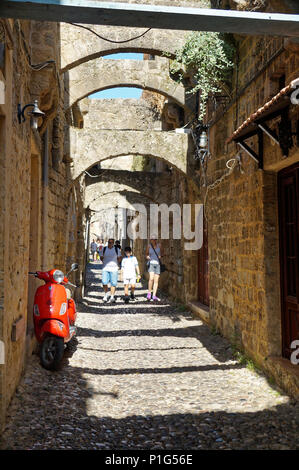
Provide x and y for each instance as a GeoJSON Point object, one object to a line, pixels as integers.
{"type": "Point", "coordinates": [45, 198]}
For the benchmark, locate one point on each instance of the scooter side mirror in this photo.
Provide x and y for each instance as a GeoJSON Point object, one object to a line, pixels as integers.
{"type": "Point", "coordinates": [74, 267]}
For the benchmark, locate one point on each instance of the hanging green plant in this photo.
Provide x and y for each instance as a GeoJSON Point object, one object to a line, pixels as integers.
{"type": "Point", "coordinates": [207, 58]}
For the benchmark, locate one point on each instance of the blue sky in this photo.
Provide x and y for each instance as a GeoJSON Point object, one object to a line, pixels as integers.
{"type": "Point", "coordinates": [121, 92]}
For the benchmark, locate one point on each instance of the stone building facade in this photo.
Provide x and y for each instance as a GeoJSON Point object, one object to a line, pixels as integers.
{"type": "Point", "coordinates": [36, 198]}
{"type": "Point", "coordinates": [243, 207]}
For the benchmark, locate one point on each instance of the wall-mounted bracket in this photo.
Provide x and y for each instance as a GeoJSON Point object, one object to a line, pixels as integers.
{"type": "Point", "coordinates": [269, 132]}
{"type": "Point", "coordinates": [249, 151]}
{"type": "Point", "coordinates": [257, 157]}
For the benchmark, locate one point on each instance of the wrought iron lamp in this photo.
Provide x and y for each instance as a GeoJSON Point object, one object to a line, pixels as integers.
{"type": "Point", "coordinates": [35, 114]}
{"type": "Point", "coordinates": [201, 138]}
{"type": "Point", "coordinates": [203, 141]}
{"type": "Point", "coordinates": [202, 146]}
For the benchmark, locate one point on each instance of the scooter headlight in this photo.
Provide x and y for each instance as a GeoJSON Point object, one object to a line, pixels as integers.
{"type": "Point", "coordinates": [58, 276]}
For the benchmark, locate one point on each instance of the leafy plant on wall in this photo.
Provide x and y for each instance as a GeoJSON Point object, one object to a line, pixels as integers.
{"type": "Point", "coordinates": [207, 59]}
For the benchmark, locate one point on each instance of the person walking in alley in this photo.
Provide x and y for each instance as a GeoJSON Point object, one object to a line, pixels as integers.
{"type": "Point", "coordinates": [117, 243]}
{"type": "Point", "coordinates": [99, 247]}
{"type": "Point", "coordinates": [93, 249]}
{"type": "Point", "coordinates": [153, 256]}
{"type": "Point", "coordinates": [130, 268]}
{"type": "Point", "coordinates": [111, 257]}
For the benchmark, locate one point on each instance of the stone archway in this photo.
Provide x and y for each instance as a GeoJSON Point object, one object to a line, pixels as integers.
{"type": "Point", "coordinates": [140, 181]}
{"type": "Point", "coordinates": [79, 45]}
{"type": "Point", "coordinates": [154, 187]}
{"type": "Point", "coordinates": [126, 199]}
{"type": "Point", "coordinates": [101, 74]}
{"type": "Point", "coordinates": [89, 149]}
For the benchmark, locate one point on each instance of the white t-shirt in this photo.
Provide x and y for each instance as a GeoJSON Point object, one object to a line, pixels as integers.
{"type": "Point", "coordinates": [128, 265]}
{"type": "Point", "coordinates": [110, 258]}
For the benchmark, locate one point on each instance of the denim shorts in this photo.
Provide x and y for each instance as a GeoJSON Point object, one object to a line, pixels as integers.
{"type": "Point", "coordinates": [154, 268]}
{"type": "Point", "coordinates": [110, 277]}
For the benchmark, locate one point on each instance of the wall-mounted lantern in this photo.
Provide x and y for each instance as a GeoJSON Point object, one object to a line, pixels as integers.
{"type": "Point", "coordinates": [201, 140]}
{"type": "Point", "coordinates": [35, 114]}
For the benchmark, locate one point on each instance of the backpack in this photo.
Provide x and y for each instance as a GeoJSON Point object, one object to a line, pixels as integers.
{"type": "Point", "coordinates": [115, 247]}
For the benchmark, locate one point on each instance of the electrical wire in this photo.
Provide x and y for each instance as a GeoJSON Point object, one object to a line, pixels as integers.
{"type": "Point", "coordinates": [230, 164]}
{"type": "Point", "coordinates": [35, 67]}
{"type": "Point", "coordinates": [109, 40]}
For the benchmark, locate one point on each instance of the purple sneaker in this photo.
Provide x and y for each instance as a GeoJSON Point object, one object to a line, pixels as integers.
{"type": "Point", "coordinates": [156, 299]}
{"type": "Point", "coordinates": [149, 296]}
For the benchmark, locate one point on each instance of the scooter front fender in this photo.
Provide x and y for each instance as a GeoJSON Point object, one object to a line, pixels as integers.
{"type": "Point", "coordinates": [54, 327]}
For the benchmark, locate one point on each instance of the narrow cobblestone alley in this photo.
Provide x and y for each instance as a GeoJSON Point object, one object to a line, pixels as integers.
{"type": "Point", "coordinates": [146, 376]}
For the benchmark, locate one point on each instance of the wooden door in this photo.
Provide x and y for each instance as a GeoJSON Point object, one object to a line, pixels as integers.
{"type": "Point", "coordinates": [288, 192]}
{"type": "Point", "coordinates": [203, 268]}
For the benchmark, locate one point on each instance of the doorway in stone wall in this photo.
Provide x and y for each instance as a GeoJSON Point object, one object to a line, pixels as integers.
{"type": "Point", "coordinates": [203, 268]}
{"type": "Point", "coordinates": [34, 242]}
{"type": "Point", "coordinates": [288, 193]}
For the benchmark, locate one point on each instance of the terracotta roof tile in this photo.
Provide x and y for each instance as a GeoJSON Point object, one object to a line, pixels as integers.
{"type": "Point", "coordinates": [284, 91]}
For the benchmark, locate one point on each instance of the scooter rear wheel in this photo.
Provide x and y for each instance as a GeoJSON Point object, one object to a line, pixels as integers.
{"type": "Point", "coordinates": [51, 352]}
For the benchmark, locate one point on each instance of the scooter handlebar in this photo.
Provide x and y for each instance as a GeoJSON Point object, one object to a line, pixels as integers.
{"type": "Point", "coordinates": [70, 284]}
{"type": "Point", "coordinates": [67, 282]}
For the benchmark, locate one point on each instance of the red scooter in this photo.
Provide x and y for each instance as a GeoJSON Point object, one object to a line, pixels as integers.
{"type": "Point", "coordinates": [54, 316]}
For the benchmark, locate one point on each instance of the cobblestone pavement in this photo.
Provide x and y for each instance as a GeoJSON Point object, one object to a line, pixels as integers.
{"type": "Point", "coordinates": [147, 376]}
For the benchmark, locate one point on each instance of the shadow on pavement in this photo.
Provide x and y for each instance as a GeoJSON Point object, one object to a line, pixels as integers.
{"type": "Point", "coordinates": [42, 419]}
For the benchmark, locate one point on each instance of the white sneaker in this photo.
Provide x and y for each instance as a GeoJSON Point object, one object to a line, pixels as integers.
{"type": "Point", "coordinates": [111, 300]}
{"type": "Point", "coordinates": [105, 298]}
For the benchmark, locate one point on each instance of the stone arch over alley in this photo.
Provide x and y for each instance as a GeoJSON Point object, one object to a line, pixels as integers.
{"type": "Point", "coordinates": [140, 181]}
{"type": "Point", "coordinates": [100, 74]}
{"type": "Point", "coordinates": [88, 46]}
{"type": "Point", "coordinates": [156, 187]}
{"type": "Point", "coordinates": [94, 193]}
{"type": "Point", "coordinates": [126, 199]}
{"type": "Point", "coordinates": [86, 151]}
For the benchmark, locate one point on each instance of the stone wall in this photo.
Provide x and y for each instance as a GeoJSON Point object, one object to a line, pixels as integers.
{"type": "Point", "coordinates": [15, 203]}
{"type": "Point", "coordinates": [119, 114]}
{"type": "Point", "coordinates": [34, 195]}
{"type": "Point", "coordinates": [242, 210]}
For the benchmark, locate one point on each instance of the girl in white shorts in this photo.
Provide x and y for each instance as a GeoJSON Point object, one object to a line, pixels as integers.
{"type": "Point", "coordinates": [130, 268]}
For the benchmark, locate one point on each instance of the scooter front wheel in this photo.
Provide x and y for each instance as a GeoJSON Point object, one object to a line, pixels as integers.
{"type": "Point", "coordinates": [51, 352]}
